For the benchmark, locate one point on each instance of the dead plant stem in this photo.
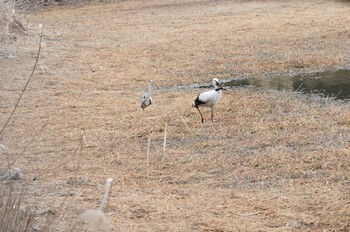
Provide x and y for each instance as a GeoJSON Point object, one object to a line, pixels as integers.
{"type": "Point", "coordinates": [148, 155]}
{"type": "Point", "coordinates": [25, 87]}
{"type": "Point", "coordinates": [164, 144]}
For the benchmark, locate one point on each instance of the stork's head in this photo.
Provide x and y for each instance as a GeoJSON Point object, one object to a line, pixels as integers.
{"type": "Point", "coordinates": [216, 83]}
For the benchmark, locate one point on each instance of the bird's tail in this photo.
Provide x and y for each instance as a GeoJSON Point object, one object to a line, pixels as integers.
{"type": "Point", "coordinates": [197, 102]}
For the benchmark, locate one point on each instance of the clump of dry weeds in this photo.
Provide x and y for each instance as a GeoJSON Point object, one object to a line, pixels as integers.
{"type": "Point", "coordinates": [13, 13]}
{"type": "Point", "coordinates": [12, 22]}
{"type": "Point", "coordinates": [12, 216]}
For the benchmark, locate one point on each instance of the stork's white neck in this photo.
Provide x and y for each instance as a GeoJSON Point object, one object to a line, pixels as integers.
{"type": "Point", "coordinates": [149, 90]}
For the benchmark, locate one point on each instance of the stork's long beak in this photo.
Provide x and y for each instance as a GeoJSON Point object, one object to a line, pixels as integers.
{"type": "Point", "coordinates": [221, 86]}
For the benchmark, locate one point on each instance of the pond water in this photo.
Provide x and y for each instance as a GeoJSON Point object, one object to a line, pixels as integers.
{"type": "Point", "coordinates": [334, 84]}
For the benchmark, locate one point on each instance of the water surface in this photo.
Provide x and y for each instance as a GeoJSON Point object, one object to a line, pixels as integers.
{"type": "Point", "coordinates": [334, 84]}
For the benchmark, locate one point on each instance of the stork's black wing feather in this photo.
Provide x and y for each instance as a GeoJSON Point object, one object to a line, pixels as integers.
{"type": "Point", "coordinates": [198, 102]}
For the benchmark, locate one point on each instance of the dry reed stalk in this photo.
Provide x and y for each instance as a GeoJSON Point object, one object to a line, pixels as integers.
{"type": "Point", "coordinates": [164, 143]}
{"type": "Point", "coordinates": [12, 218]}
{"type": "Point", "coordinates": [148, 153]}
{"type": "Point", "coordinates": [95, 218]}
{"type": "Point", "coordinates": [108, 186]}
{"type": "Point", "coordinates": [26, 85]}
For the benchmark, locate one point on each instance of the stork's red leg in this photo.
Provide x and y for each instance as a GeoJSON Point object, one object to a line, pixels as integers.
{"type": "Point", "coordinates": [202, 119]}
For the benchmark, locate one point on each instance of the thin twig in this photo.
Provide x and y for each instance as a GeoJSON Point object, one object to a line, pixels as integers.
{"type": "Point", "coordinates": [298, 87]}
{"type": "Point", "coordinates": [164, 144]}
{"type": "Point", "coordinates": [148, 156]}
{"type": "Point", "coordinates": [25, 87]}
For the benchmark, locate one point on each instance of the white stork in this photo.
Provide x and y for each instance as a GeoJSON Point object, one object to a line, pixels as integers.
{"type": "Point", "coordinates": [209, 98]}
{"type": "Point", "coordinates": [146, 99]}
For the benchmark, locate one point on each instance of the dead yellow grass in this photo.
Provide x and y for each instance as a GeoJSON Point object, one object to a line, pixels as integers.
{"type": "Point", "coordinates": [271, 161]}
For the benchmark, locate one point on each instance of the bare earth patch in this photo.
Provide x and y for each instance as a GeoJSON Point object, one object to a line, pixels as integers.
{"type": "Point", "coordinates": [272, 161]}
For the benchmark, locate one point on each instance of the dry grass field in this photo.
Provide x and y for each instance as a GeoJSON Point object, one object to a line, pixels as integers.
{"type": "Point", "coordinates": [272, 161]}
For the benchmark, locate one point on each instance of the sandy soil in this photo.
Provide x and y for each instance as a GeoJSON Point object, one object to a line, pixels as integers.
{"type": "Point", "coordinates": [272, 161]}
